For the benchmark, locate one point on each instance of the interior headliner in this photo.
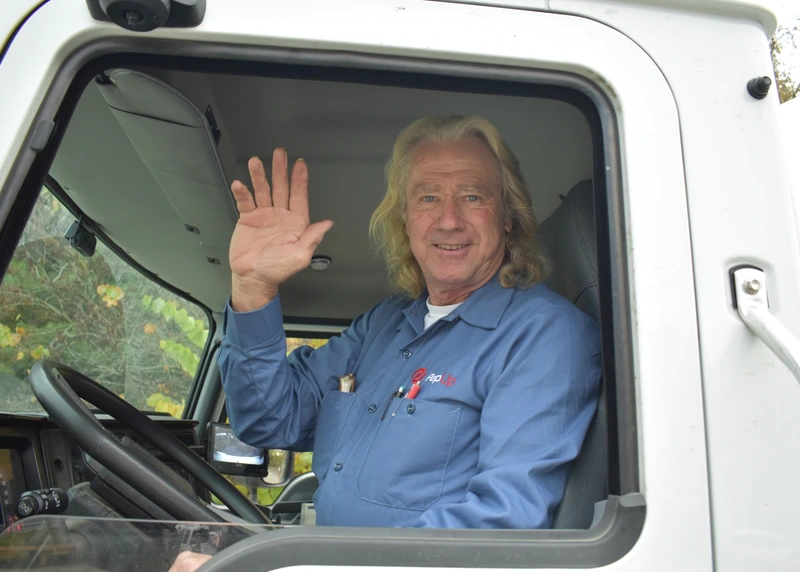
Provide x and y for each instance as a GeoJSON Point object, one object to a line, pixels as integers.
{"type": "Point", "coordinates": [344, 131]}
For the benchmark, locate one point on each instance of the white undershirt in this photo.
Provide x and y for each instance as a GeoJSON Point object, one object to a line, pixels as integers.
{"type": "Point", "coordinates": [436, 313]}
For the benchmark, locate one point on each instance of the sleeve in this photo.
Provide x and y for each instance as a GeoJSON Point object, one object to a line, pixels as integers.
{"type": "Point", "coordinates": [272, 399]}
{"type": "Point", "coordinates": [533, 422]}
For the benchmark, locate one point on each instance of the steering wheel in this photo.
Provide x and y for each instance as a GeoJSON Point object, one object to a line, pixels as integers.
{"type": "Point", "coordinates": [59, 389]}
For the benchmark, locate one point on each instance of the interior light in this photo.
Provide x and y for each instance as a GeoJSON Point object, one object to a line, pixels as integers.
{"type": "Point", "coordinates": [320, 262]}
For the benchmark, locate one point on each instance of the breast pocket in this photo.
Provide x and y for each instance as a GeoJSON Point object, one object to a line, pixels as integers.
{"type": "Point", "coordinates": [332, 415]}
{"type": "Point", "coordinates": [406, 461]}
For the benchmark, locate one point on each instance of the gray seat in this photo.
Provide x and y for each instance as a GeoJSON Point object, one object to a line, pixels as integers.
{"type": "Point", "coordinates": [570, 239]}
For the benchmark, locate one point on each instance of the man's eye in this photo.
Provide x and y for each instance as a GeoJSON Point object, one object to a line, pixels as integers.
{"type": "Point", "coordinates": [428, 199]}
{"type": "Point", "coordinates": [473, 198]}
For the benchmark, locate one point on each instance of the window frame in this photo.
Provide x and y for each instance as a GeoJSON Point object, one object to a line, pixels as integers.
{"type": "Point", "coordinates": [623, 519]}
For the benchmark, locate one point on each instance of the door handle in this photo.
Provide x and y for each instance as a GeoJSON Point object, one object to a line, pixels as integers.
{"type": "Point", "coordinates": [750, 298]}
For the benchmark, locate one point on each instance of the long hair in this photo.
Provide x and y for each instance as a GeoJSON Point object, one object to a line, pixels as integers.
{"type": "Point", "coordinates": [524, 263]}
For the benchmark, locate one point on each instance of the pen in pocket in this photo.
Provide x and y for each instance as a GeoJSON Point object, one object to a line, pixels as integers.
{"type": "Point", "coordinates": [398, 393]}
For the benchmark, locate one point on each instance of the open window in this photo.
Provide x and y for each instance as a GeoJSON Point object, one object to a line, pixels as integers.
{"type": "Point", "coordinates": [151, 180]}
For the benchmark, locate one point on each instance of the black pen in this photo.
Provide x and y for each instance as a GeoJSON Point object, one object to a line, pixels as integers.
{"type": "Point", "coordinates": [398, 393]}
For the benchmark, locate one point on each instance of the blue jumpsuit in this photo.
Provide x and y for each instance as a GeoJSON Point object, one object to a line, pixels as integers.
{"type": "Point", "coordinates": [508, 385]}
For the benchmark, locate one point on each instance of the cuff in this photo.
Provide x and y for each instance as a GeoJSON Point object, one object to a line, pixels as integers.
{"type": "Point", "coordinates": [254, 328]}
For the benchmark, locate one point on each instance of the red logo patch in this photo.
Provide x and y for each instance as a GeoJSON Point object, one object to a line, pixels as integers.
{"type": "Point", "coordinates": [419, 376]}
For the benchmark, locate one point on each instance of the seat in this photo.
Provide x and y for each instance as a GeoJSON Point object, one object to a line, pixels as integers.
{"type": "Point", "coordinates": [569, 237]}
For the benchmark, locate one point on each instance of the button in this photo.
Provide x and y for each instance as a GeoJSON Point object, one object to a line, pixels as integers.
{"type": "Point", "coordinates": [406, 354]}
{"type": "Point", "coordinates": [337, 467]}
{"type": "Point", "coordinates": [411, 408]}
{"type": "Point", "coordinates": [372, 408]}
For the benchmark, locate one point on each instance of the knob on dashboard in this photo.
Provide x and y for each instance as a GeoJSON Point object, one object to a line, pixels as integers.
{"type": "Point", "coordinates": [42, 501]}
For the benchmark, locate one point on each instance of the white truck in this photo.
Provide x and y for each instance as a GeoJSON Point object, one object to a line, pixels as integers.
{"type": "Point", "coordinates": [652, 141]}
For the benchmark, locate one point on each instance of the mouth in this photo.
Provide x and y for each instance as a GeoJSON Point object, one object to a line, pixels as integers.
{"type": "Point", "coordinates": [451, 246]}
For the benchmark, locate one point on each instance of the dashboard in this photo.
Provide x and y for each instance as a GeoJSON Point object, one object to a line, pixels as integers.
{"type": "Point", "coordinates": [12, 483]}
{"type": "Point", "coordinates": [35, 455]}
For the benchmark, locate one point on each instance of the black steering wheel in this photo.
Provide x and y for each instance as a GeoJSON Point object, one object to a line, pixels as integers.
{"type": "Point", "coordinates": [59, 389]}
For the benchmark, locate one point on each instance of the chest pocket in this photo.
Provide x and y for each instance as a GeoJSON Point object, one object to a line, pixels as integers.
{"type": "Point", "coordinates": [406, 461]}
{"type": "Point", "coordinates": [333, 413]}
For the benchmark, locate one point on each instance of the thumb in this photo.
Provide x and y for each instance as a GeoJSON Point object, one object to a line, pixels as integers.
{"type": "Point", "coordinates": [314, 233]}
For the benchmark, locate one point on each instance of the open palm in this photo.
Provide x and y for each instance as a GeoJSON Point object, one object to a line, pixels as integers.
{"type": "Point", "coordinates": [273, 239]}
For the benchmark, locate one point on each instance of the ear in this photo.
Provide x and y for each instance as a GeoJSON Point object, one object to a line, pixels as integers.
{"type": "Point", "coordinates": [508, 224]}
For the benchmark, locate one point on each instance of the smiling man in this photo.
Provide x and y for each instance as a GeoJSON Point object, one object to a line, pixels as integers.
{"type": "Point", "coordinates": [475, 384]}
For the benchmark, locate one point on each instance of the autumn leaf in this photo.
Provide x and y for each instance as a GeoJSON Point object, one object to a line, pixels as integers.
{"type": "Point", "coordinates": [40, 352]}
{"type": "Point", "coordinates": [20, 356]}
{"type": "Point", "coordinates": [164, 404]}
{"type": "Point", "coordinates": [149, 329]}
{"type": "Point", "coordinates": [20, 331]}
{"type": "Point", "coordinates": [101, 289]}
{"type": "Point", "coordinates": [115, 293]}
{"type": "Point", "coordinates": [7, 338]}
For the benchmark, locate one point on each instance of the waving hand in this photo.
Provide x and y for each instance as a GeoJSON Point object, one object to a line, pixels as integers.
{"type": "Point", "coordinates": [274, 238]}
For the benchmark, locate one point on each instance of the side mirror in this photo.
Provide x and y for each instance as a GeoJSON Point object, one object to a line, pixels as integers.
{"type": "Point", "coordinates": [280, 468]}
{"type": "Point", "coordinates": [230, 456]}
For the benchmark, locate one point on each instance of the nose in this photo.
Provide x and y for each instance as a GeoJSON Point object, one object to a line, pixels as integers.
{"type": "Point", "coordinates": [450, 216]}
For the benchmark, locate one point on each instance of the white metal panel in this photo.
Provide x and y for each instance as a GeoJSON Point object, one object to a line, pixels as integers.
{"type": "Point", "coordinates": [741, 212]}
{"type": "Point", "coordinates": [13, 12]}
{"type": "Point", "coordinates": [789, 116]}
{"type": "Point", "coordinates": [673, 464]}
{"type": "Point", "coordinates": [756, 10]}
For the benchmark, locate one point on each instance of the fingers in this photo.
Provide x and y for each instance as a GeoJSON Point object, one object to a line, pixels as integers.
{"type": "Point", "coordinates": [244, 200]}
{"type": "Point", "coordinates": [280, 179]}
{"type": "Point", "coordinates": [260, 184]}
{"type": "Point", "coordinates": [314, 234]}
{"type": "Point", "coordinates": [189, 561]}
{"type": "Point", "coordinates": [298, 200]}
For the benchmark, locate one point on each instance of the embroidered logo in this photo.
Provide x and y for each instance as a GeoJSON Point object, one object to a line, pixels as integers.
{"type": "Point", "coordinates": [445, 378]}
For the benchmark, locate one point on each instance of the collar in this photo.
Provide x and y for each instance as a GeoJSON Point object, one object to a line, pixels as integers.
{"type": "Point", "coordinates": [484, 308]}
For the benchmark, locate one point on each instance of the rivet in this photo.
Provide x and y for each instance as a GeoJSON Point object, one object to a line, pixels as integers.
{"type": "Point", "coordinates": [752, 286]}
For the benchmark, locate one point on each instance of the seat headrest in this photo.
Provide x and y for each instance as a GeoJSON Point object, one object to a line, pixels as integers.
{"type": "Point", "coordinates": [568, 236]}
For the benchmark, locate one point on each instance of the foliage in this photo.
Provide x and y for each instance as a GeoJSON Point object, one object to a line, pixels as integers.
{"type": "Point", "coordinates": [785, 38]}
{"type": "Point", "coordinates": [97, 315]}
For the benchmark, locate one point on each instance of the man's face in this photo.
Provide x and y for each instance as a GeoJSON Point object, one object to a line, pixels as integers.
{"type": "Point", "coordinates": [454, 217]}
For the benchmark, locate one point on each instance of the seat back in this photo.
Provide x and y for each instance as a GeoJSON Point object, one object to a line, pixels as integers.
{"type": "Point", "coordinates": [570, 239]}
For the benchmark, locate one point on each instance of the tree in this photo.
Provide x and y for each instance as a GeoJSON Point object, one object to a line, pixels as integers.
{"type": "Point", "coordinates": [97, 315]}
{"type": "Point", "coordinates": [784, 39]}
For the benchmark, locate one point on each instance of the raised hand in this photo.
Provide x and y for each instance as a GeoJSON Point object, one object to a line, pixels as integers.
{"type": "Point", "coordinates": [273, 239]}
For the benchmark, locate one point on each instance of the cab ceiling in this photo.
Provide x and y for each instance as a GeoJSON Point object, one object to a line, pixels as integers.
{"type": "Point", "coordinates": [344, 131]}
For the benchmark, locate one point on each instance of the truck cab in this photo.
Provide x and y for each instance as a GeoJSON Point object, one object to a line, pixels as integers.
{"type": "Point", "coordinates": [651, 139]}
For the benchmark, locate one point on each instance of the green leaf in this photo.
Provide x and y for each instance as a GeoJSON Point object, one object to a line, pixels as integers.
{"type": "Point", "coordinates": [169, 310]}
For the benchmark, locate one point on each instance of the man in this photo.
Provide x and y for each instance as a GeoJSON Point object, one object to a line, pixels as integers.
{"type": "Point", "coordinates": [499, 375]}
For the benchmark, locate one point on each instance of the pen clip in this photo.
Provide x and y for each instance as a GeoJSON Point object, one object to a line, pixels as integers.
{"type": "Point", "coordinates": [398, 393]}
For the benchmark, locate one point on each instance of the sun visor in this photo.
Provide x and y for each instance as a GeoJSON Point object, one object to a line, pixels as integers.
{"type": "Point", "coordinates": [175, 141]}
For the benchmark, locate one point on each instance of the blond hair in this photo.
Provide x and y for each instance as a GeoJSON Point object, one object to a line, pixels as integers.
{"type": "Point", "coordinates": [524, 262]}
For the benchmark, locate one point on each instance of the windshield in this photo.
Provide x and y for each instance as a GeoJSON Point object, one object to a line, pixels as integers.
{"type": "Point", "coordinates": [95, 314]}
